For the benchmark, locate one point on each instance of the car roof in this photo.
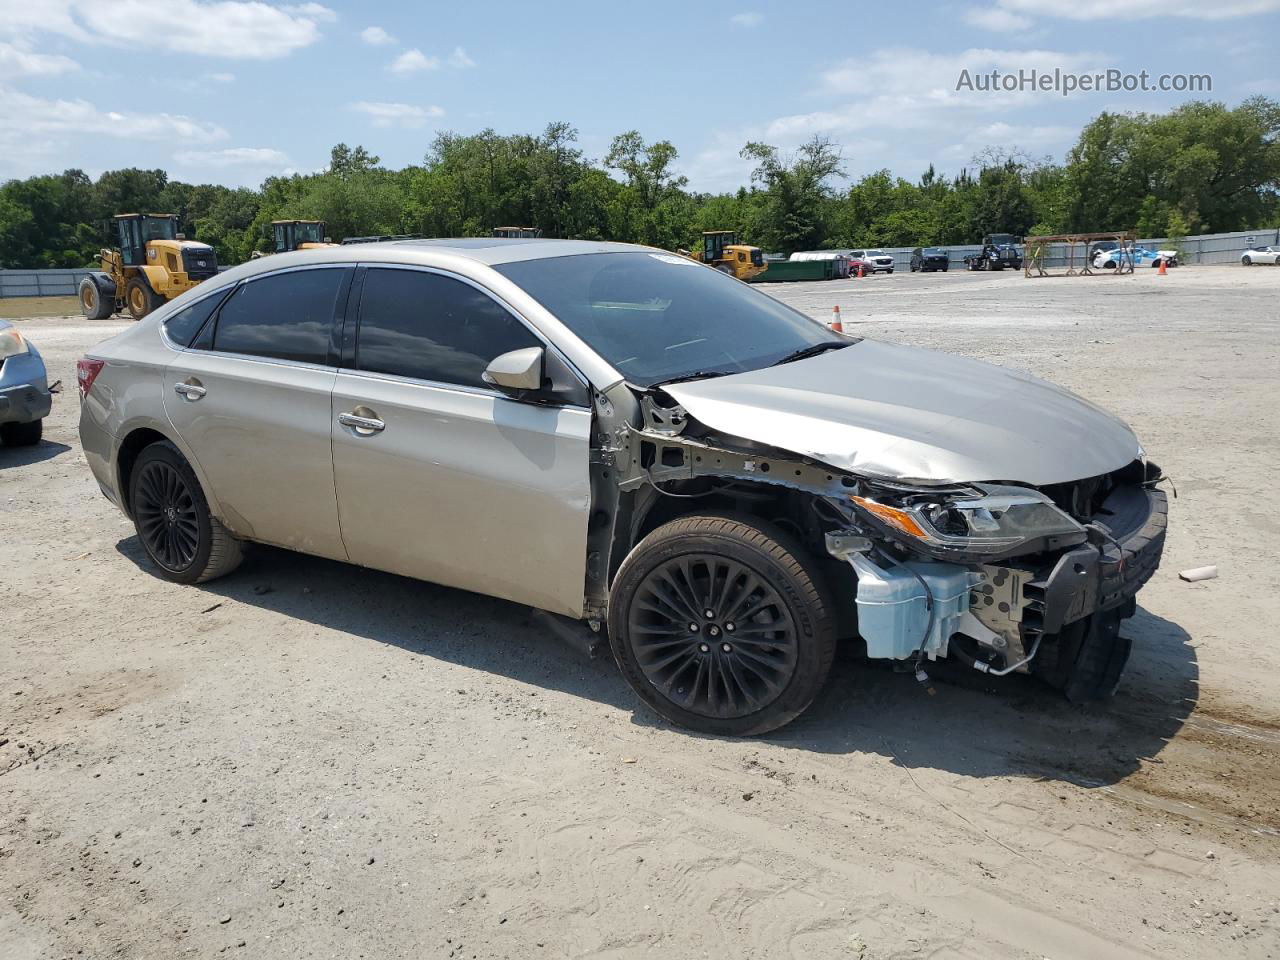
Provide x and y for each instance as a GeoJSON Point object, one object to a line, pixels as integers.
{"type": "Point", "coordinates": [494, 250]}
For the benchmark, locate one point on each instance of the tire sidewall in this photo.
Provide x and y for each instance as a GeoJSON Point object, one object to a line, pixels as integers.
{"type": "Point", "coordinates": [814, 632]}
{"type": "Point", "coordinates": [168, 453]}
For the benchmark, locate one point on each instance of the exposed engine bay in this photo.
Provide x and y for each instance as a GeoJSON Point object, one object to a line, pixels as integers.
{"type": "Point", "coordinates": [1004, 576]}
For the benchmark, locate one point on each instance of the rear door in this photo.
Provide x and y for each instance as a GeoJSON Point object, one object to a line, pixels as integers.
{"type": "Point", "coordinates": [454, 482]}
{"type": "Point", "coordinates": [251, 399]}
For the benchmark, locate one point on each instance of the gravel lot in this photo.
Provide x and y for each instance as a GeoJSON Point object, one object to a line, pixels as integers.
{"type": "Point", "coordinates": [311, 760]}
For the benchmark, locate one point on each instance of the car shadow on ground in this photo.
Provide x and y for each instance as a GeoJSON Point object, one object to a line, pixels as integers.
{"type": "Point", "coordinates": [959, 721]}
{"type": "Point", "coordinates": [25, 456]}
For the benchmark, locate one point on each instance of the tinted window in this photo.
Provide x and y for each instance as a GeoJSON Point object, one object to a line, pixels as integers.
{"type": "Point", "coordinates": [182, 326]}
{"type": "Point", "coordinates": [431, 327]}
{"type": "Point", "coordinates": [655, 316]}
{"type": "Point", "coordinates": [287, 316]}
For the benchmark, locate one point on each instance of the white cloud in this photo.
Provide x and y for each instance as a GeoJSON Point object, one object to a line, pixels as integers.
{"type": "Point", "coordinates": [459, 59]}
{"type": "Point", "coordinates": [236, 29]}
{"type": "Point", "coordinates": [315, 11]}
{"type": "Point", "coordinates": [910, 84]}
{"type": "Point", "coordinates": [750, 19]}
{"type": "Point", "coordinates": [220, 77]}
{"type": "Point", "coordinates": [996, 18]}
{"type": "Point", "coordinates": [1132, 10]}
{"type": "Point", "coordinates": [234, 157]}
{"type": "Point", "coordinates": [376, 36]}
{"type": "Point", "coordinates": [411, 61]}
{"type": "Point", "coordinates": [17, 60]}
{"type": "Point", "coordinates": [22, 115]}
{"type": "Point", "coordinates": [396, 114]}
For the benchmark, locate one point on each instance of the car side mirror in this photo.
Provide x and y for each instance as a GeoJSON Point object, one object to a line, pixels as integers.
{"type": "Point", "coordinates": [516, 370]}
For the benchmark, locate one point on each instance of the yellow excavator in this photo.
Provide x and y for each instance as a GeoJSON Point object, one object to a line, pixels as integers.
{"type": "Point", "coordinates": [153, 263]}
{"type": "Point", "coordinates": [721, 249]}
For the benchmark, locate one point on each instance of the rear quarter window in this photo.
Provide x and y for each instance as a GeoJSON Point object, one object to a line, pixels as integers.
{"type": "Point", "coordinates": [181, 327]}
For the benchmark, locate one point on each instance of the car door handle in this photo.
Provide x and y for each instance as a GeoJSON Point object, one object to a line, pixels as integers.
{"type": "Point", "coordinates": [361, 425]}
{"type": "Point", "coordinates": [189, 390]}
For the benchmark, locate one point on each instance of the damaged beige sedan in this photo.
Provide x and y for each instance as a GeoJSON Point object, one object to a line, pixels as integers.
{"type": "Point", "coordinates": [624, 436]}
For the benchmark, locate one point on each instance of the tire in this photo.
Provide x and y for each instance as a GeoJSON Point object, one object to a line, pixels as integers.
{"type": "Point", "coordinates": [21, 434]}
{"type": "Point", "coordinates": [187, 545]}
{"type": "Point", "coordinates": [1247, 261]}
{"type": "Point", "coordinates": [1086, 659]}
{"type": "Point", "coordinates": [944, 269]}
{"type": "Point", "coordinates": [93, 304]}
{"type": "Point", "coordinates": [743, 679]}
{"type": "Point", "coordinates": [139, 298]}
{"type": "Point", "coordinates": [914, 268]}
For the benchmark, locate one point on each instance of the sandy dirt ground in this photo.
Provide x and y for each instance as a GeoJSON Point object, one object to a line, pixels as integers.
{"type": "Point", "coordinates": [307, 759]}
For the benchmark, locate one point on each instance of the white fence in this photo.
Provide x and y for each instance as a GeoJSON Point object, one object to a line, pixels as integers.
{"type": "Point", "coordinates": [1207, 248]}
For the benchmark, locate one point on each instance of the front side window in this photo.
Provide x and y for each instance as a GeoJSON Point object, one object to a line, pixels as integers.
{"type": "Point", "coordinates": [657, 317]}
{"type": "Point", "coordinates": [284, 316]}
{"type": "Point", "coordinates": [432, 327]}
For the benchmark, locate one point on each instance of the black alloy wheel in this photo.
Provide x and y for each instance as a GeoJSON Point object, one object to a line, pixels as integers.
{"type": "Point", "coordinates": [713, 636]}
{"type": "Point", "coordinates": [166, 515]}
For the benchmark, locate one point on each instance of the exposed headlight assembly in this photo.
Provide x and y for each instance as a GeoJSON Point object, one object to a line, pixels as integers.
{"type": "Point", "coordinates": [978, 519]}
{"type": "Point", "coordinates": [11, 343]}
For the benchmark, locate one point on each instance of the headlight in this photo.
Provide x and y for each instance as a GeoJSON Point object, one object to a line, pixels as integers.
{"type": "Point", "coordinates": [983, 519]}
{"type": "Point", "coordinates": [11, 343]}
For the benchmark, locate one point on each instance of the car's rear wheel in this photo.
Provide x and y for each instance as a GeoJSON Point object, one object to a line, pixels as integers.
{"type": "Point", "coordinates": [21, 434]}
{"type": "Point", "coordinates": [1248, 261]}
{"type": "Point", "coordinates": [171, 516]}
{"type": "Point", "coordinates": [722, 624]}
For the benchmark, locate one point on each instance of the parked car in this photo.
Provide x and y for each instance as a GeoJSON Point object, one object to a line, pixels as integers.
{"type": "Point", "coordinates": [1254, 255]}
{"type": "Point", "coordinates": [878, 261]}
{"type": "Point", "coordinates": [929, 259]}
{"type": "Point", "coordinates": [621, 435]}
{"type": "Point", "coordinates": [25, 398]}
{"type": "Point", "coordinates": [1110, 257]}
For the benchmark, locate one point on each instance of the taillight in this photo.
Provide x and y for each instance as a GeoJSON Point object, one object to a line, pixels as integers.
{"type": "Point", "coordinates": [87, 370]}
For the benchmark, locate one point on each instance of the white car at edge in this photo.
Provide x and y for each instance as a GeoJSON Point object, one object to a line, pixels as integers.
{"type": "Point", "coordinates": [1254, 255]}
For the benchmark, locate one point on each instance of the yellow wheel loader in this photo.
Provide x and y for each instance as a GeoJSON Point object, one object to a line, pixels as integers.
{"type": "Point", "coordinates": [721, 249]}
{"type": "Point", "coordinates": [299, 235]}
{"type": "Point", "coordinates": [152, 264]}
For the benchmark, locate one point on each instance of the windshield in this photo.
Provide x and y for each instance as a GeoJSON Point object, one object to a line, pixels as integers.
{"type": "Point", "coordinates": [1001, 239]}
{"type": "Point", "coordinates": [158, 228]}
{"type": "Point", "coordinates": [875, 253]}
{"type": "Point", "coordinates": [310, 232]}
{"type": "Point", "coordinates": [658, 317]}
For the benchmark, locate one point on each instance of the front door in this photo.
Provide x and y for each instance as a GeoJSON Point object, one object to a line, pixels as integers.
{"type": "Point", "coordinates": [438, 475]}
{"type": "Point", "coordinates": [252, 401]}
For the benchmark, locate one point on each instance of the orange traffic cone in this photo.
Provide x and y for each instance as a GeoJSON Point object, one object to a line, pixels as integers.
{"type": "Point", "coordinates": [836, 325]}
{"type": "Point", "coordinates": [862, 269]}
{"type": "Point", "coordinates": [1162, 271]}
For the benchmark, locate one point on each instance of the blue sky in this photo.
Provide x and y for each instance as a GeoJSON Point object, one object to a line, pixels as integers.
{"type": "Point", "coordinates": [232, 92]}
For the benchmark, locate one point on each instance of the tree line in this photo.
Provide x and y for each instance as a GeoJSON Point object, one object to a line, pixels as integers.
{"type": "Point", "coordinates": [1200, 168]}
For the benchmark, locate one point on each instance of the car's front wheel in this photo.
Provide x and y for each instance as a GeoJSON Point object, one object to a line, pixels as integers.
{"type": "Point", "coordinates": [1247, 261]}
{"type": "Point", "coordinates": [172, 518]}
{"type": "Point", "coordinates": [722, 624]}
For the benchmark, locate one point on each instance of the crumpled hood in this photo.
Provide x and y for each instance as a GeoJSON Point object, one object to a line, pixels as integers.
{"type": "Point", "coordinates": [898, 412]}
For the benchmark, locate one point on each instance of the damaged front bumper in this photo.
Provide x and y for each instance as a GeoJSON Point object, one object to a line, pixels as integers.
{"type": "Point", "coordinates": [996, 615]}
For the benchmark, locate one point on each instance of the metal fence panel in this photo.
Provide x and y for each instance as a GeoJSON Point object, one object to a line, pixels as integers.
{"type": "Point", "coordinates": [40, 283]}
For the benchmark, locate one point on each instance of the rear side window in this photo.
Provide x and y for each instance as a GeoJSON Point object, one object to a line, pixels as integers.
{"type": "Point", "coordinates": [432, 327]}
{"type": "Point", "coordinates": [285, 316]}
{"type": "Point", "coordinates": [182, 326]}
